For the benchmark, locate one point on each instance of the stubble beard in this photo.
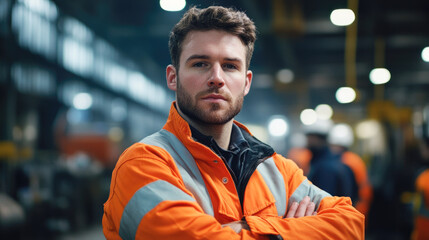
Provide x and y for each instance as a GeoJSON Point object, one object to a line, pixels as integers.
{"type": "Point", "coordinates": [211, 115]}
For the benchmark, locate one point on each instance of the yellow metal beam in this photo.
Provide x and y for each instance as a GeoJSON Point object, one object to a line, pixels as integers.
{"type": "Point", "coordinates": [379, 57]}
{"type": "Point", "coordinates": [350, 48]}
{"type": "Point", "coordinates": [8, 150]}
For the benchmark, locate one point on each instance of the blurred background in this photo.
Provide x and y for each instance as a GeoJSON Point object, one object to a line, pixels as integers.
{"type": "Point", "coordinates": [82, 80]}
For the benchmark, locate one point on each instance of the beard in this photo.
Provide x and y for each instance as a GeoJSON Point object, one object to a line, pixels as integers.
{"type": "Point", "coordinates": [213, 115]}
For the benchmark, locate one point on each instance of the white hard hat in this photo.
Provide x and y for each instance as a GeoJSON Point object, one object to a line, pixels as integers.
{"type": "Point", "coordinates": [298, 140]}
{"type": "Point", "coordinates": [341, 134]}
{"type": "Point", "coordinates": [321, 126]}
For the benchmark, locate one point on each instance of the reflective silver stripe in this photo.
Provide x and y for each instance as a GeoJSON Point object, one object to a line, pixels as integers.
{"type": "Point", "coordinates": [307, 189]}
{"type": "Point", "coordinates": [144, 200]}
{"type": "Point", "coordinates": [423, 211]}
{"type": "Point", "coordinates": [275, 182]}
{"type": "Point", "coordinates": [188, 169]}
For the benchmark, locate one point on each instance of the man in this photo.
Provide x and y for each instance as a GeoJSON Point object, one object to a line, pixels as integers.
{"type": "Point", "coordinates": [340, 139]}
{"type": "Point", "coordinates": [204, 176]}
{"type": "Point", "coordinates": [326, 169]}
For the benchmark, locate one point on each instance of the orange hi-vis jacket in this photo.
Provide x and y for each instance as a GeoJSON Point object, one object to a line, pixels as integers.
{"type": "Point", "coordinates": [169, 186]}
{"type": "Point", "coordinates": [421, 228]}
{"type": "Point", "coordinates": [365, 192]}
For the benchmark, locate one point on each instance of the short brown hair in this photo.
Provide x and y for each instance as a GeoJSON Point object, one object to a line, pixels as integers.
{"type": "Point", "coordinates": [212, 18]}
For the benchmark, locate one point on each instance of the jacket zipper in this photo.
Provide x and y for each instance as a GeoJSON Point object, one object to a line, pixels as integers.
{"type": "Point", "coordinates": [246, 178]}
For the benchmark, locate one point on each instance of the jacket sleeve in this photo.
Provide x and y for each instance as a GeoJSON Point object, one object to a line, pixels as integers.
{"type": "Point", "coordinates": [336, 217]}
{"type": "Point", "coordinates": [148, 200]}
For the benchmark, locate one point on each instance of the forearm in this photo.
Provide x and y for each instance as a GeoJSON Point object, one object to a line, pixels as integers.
{"type": "Point", "coordinates": [178, 223]}
{"type": "Point", "coordinates": [340, 221]}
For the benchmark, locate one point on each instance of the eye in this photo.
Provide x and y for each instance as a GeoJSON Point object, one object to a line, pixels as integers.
{"type": "Point", "coordinates": [199, 64]}
{"type": "Point", "coordinates": [230, 66]}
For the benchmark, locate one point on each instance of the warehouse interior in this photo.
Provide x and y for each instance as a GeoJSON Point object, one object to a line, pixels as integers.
{"type": "Point", "coordinates": [80, 81]}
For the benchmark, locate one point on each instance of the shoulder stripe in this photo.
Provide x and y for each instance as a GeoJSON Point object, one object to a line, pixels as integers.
{"type": "Point", "coordinates": [188, 169]}
{"type": "Point", "coordinates": [143, 201]}
{"type": "Point", "coordinates": [275, 182]}
{"type": "Point", "coordinates": [307, 189]}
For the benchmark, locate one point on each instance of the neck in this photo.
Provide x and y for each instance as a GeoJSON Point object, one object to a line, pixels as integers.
{"type": "Point", "coordinates": [221, 133]}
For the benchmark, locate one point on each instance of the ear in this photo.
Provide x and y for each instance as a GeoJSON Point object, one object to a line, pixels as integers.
{"type": "Point", "coordinates": [248, 82]}
{"type": "Point", "coordinates": [171, 75]}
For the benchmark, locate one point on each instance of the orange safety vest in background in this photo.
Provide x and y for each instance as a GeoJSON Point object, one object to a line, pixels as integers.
{"type": "Point", "coordinates": [365, 191]}
{"type": "Point", "coordinates": [302, 158]}
{"type": "Point", "coordinates": [169, 186]}
{"type": "Point", "coordinates": [421, 227]}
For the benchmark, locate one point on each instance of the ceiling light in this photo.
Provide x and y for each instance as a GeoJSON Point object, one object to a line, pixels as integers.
{"type": "Point", "coordinates": [308, 116]}
{"type": "Point", "coordinates": [278, 126]}
{"type": "Point", "coordinates": [82, 101]}
{"type": "Point", "coordinates": [367, 129]}
{"type": "Point", "coordinates": [324, 111]}
{"type": "Point", "coordinates": [425, 54]}
{"type": "Point", "coordinates": [172, 5]}
{"type": "Point", "coordinates": [342, 17]}
{"type": "Point", "coordinates": [379, 76]}
{"type": "Point", "coordinates": [285, 76]}
{"type": "Point", "coordinates": [345, 95]}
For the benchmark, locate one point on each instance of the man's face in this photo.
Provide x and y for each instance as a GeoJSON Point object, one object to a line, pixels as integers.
{"type": "Point", "coordinates": [212, 79]}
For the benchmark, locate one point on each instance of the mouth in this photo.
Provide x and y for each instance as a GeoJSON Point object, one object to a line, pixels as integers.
{"type": "Point", "coordinates": [214, 98]}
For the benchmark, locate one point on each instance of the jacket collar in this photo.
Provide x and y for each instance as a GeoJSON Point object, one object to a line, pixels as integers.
{"type": "Point", "coordinates": [181, 129]}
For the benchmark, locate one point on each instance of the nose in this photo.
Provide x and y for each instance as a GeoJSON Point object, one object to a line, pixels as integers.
{"type": "Point", "coordinates": [215, 79]}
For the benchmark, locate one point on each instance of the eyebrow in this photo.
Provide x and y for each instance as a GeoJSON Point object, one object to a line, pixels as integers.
{"type": "Point", "coordinates": [233, 59]}
{"type": "Point", "coordinates": [196, 56]}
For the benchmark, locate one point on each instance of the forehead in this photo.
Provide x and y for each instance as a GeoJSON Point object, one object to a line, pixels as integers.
{"type": "Point", "coordinates": [213, 43]}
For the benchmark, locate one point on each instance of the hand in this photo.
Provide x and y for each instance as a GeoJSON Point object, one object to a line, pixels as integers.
{"type": "Point", "coordinates": [302, 209]}
{"type": "Point", "coordinates": [237, 226]}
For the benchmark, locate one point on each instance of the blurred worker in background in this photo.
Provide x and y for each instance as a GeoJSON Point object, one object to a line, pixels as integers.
{"type": "Point", "coordinates": [340, 139]}
{"type": "Point", "coordinates": [326, 169]}
{"type": "Point", "coordinates": [421, 223]}
{"type": "Point", "coordinates": [299, 152]}
{"type": "Point", "coordinates": [204, 176]}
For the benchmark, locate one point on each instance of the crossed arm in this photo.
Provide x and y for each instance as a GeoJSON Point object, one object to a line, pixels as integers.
{"type": "Point", "coordinates": [179, 213]}
{"type": "Point", "coordinates": [297, 210]}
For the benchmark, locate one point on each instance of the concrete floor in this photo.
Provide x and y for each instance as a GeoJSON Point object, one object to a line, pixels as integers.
{"type": "Point", "coordinates": [94, 233]}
